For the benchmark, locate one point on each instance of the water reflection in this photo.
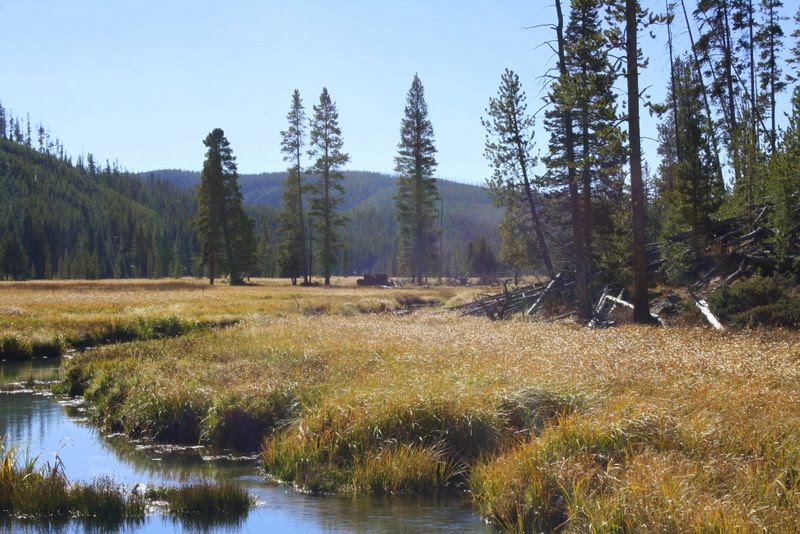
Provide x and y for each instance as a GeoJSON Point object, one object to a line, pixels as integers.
{"type": "Point", "coordinates": [46, 428]}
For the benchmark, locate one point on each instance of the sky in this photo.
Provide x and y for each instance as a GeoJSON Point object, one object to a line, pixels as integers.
{"type": "Point", "coordinates": [143, 82]}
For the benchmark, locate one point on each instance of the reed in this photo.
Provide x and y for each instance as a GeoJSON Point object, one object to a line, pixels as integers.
{"type": "Point", "coordinates": [203, 499]}
{"type": "Point", "coordinates": [44, 493]}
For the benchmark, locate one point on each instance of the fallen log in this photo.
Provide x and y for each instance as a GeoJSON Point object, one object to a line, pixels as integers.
{"type": "Point", "coordinates": [539, 301]}
{"type": "Point", "coordinates": [702, 305]}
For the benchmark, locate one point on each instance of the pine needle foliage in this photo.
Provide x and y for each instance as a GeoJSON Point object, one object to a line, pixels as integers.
{"type": "Point", "coordinates": [417, 194]}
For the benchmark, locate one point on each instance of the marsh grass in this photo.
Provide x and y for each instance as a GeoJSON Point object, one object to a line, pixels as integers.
{"type": "Point", "coordinates": [44, 492]}
{"type": "Point", "coordinates": [550, 426]}
{"type": "Point", "coordinates": [204, 500]}
{"type": "Point", "coordinates": [15, 349]}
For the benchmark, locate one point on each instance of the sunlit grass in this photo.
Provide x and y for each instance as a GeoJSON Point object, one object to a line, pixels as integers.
{"type": "Point", "coordinates": [548, 425]}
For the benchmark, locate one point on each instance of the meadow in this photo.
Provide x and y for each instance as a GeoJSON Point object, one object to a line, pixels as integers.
{"type": "Point", "coordinates": [545, 426]}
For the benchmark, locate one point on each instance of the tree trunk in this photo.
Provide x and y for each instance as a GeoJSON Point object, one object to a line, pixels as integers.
{"type": "Point", "coordinates": [581, 280]}
{"type": "Point", "coordinates": [641, 303]}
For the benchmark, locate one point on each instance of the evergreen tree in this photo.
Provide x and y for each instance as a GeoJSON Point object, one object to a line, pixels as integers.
{"type": "Point", "coordinates": [632, 17]}
{"type": "Point", "coordinates": [769, 40]}
{"type": "Point", "coordinates": [225, 230]}
{"type": "Point", "coordinates": [480, 258]}
{"type": "Point", "coordinates": [689, 186]}
{"type": "Point", "coordinates": [417, 194]}
{"type": "Point", "coordinates": [326, 146]}
{"type": "Point", "coordinates": [783, 187]}
{"type": "Point", "coordinates": [3, 120]}
{"type": "Point", "coordinates": [293, 258]}
{"type": "Point", "coordinates": [715, 48]}
{"type": "Point", "coordinates": [584, 156]}
{"type": "Point", "coordinates": [12, 258]}
{"type": "Point", "coordinates": [509, 147]}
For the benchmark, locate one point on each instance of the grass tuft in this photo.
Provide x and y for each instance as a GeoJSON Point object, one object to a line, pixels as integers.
{"type": "Point", "coordinates": [203, 499]}
{"type": "Point", "coordinates": [15, 349]}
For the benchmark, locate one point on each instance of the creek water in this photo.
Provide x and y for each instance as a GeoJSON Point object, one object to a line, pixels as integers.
{"type": "Point", "coordinates": [54, 429]}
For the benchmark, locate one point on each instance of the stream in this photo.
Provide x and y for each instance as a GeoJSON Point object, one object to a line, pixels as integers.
{"type": "Point", "coordinates": [54, 429]}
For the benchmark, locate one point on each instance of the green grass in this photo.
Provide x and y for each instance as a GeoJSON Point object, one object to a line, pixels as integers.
{"type": "Point", "coordinates": [15, 349]}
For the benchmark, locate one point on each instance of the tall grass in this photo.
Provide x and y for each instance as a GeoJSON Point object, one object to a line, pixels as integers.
{"type": "Point", "coordinates": [550, 426]}
{"type": "Point", "coordinates": [44, 493]}
{"type": "Point", "coordinates": [204, 500]}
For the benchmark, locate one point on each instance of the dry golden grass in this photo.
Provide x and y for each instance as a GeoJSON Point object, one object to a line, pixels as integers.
{"type": "Point", "coordinates": [551, 425]}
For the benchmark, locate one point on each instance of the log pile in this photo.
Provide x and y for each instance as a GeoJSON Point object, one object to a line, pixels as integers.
{"type": "Point", "coordinates": [526, 300]}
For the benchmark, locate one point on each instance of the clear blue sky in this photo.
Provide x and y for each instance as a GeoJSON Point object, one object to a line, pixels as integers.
{"type": "Point", "coordinates": [143, 82]}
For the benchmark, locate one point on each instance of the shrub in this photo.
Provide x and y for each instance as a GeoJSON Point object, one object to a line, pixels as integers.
{"type": "Point", "coordinates": [757, 301]}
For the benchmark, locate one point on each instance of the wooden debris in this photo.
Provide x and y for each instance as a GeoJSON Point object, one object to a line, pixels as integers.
{"type": "Point", "coordinates": [553, 283]}
{"type": "Point", "coordinates": [706, 311]}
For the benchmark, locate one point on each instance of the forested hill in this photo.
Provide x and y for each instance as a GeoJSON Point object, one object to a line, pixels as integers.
{"type": "Point", "coordinates": [370, 234]}
{"type": "Point", "coordinates": [87, 220]}
{"type": "Point", "coordinates": [362, 189]}
{"type": "Point", "coordinates": [59, 220]}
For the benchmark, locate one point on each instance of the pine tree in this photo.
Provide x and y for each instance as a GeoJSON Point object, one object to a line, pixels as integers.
{"type": "Point", "coordinates": [326, 193]}
{"type": "Point", "coordinates": [716, 50]}
{"type": "Point", "coordinates": [769, 40]}
{"type": "Point", "coordinates": [509, 147]}
{"type": "Point", "coordinates": [783, 186]}
{"type": "Point", "coordinates": [417, 194]}
{"type": "Point", "coordinates": [293, 258]}
{"type": "Point", "coordinates": [632, 17]}
{"type": "Point", "coordinates": [480, 258]}
{"type": "Point", "coordinates": [3, 120]}
{"type": "Point", "coordinates": [225, 230]}
{"type": "Point", "coordinates": [690, 190]}
{"type": "Point", "coordinates": [586, 154]}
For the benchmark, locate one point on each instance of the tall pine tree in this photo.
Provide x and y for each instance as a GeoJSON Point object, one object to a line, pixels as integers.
{"type": "Point", "coordinates": [225, 230]}
{"type": "Point", "coordinates": [690, 188]}
{"type": "Point", "coordinates": [417, 194]}
{"type": "Point", "coordinates": [509, 148]}
{"type": "Point", "coordinates": [327, 191]}
{"type": "Point", "coordinates": [293, 257]}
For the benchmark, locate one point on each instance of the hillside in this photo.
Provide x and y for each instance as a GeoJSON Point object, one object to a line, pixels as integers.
{"type": "Point", "coordinates": [370, 234]}
{"type": "Point", "coordinates": [83, 220]}
{"type": "Point", "coordinates": [59, 220]}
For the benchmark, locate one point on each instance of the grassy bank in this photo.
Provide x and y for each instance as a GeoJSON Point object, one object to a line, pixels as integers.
{"type": "Point", "coordinates": [550, 426]}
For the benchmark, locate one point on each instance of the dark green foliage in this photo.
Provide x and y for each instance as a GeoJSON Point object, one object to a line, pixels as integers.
{"type": "Point", "coordinates": [758, 301]}
{"type": "Point", "coordinates": [293, 259]}
{"type": "Point", "coordinates": [480, 258]}
{"type": "Point", "coordinates": [327, 192]}
{"type": "Point", "coordinates": [12, 258]}
{"type": "Point", "coordinates": [225, 230]}
{"type": "Point", "coordinates": [690, 191]}
{"type": "Point", "coordinates": [769, 41]}
{"type": "Point", "coordinates": [75, 223]}
{"type": "Point", "coordinates": [417, 194]}
{"type": "Point", "coordinates": [783, 188]}
{"type": "Point", "coordinates": [509, 149]}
